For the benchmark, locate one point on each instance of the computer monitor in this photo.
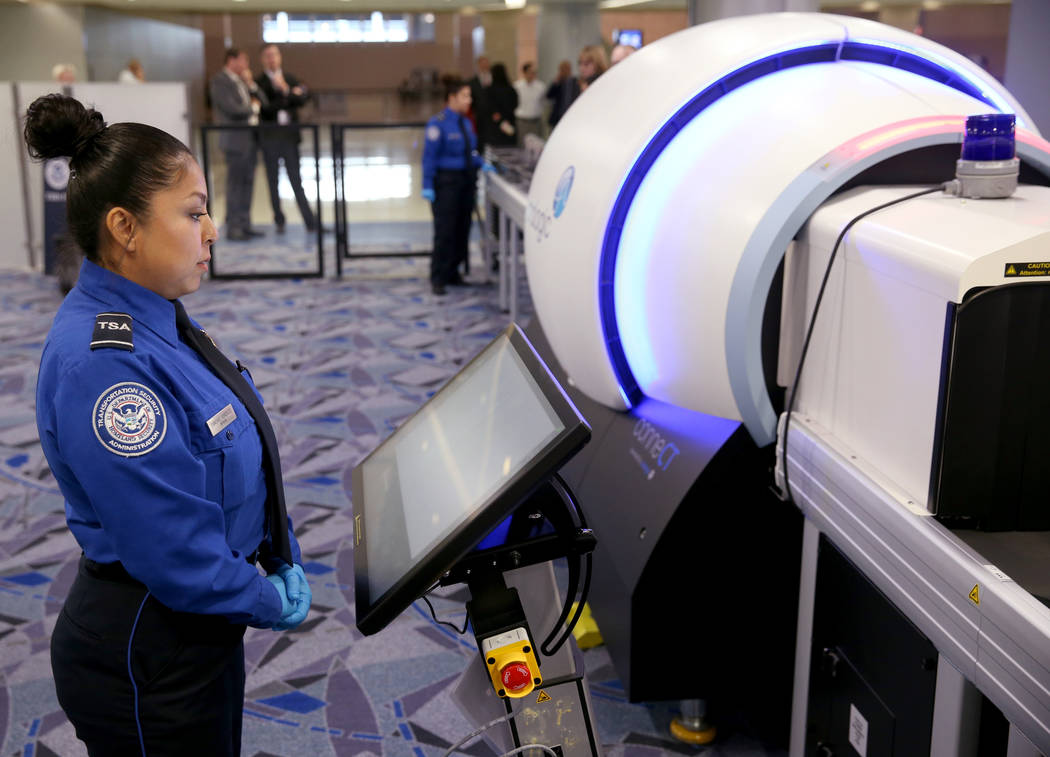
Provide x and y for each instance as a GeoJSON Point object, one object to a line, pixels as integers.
{"type": "Point", "coordinates": [629, 37]}
{"type": "Point", "coordinates": [453, 471]}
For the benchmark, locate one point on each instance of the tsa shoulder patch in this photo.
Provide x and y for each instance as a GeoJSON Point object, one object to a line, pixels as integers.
{"type": "Point", "coordinates": [433, 133]}
{"type": "Point", "coordinates": [129, 419]}
{"type": "Point", "coordinates": [112, 330]}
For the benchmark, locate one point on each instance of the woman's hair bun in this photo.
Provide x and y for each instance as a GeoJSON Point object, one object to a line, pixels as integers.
{"type": "Point", "coordinates": [58, 125]}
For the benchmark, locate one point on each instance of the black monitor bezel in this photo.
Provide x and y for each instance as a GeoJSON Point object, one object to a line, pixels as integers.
{"type": "Point", "coordinates": [374, 614]}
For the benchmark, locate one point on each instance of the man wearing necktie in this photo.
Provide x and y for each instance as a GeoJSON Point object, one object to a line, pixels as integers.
{"type": "Point", "coordinates": [235, 101]}
{"type": "Point", "coordinates": [450, 163]}
{"type": "Point", "coordinates": [165, 457]}
{"type": "Point", "coordinates": [279, 135]}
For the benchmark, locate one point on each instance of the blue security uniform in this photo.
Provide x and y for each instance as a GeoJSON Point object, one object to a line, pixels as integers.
{"type": "Point", "coordinates": [450, 163]}
{"type": "Point", "coordinates": [161, 468]}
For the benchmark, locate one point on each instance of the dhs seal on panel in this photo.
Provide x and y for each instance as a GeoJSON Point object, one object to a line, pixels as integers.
{"type": "Point", "coordinates": [129, 420]}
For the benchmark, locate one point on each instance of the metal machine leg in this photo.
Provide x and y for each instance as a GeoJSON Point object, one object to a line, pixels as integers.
{"type": "Point", "coordinates": [515, 248]}
{"type": "Point", "coordinates": [692, 726]}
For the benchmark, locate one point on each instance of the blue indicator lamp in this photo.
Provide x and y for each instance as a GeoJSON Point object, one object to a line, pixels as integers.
{"type": "Point", "coordinates": [989, 136]}
{"type": "Point", "coordinates": [988, 167]}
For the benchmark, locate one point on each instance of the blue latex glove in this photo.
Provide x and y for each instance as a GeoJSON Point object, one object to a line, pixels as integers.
{"type": "Point", "coordinates": [487, 167]}
{"type": "Point", "coordinates": [297, 590]}
{"type": "Point", "coordinates": [428, 195]}
{"type": "Point", "coordinates": [287, 607]}
{"type": "Point", "coordinates": [295, 583]}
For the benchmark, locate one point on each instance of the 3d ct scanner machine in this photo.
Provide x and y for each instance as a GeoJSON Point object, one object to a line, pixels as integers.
{"type": "Point", "coordinates": [686, 218]}
{"type": "Point", "coordinates": [805, 202]}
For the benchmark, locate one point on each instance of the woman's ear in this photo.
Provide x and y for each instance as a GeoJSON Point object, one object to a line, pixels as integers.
{"type": "Point", "coordinates": [120, 223]}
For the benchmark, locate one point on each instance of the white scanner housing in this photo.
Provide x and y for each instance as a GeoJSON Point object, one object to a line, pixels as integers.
{"type": "Point", "coordinates": [874, 369]}
{"type": "Point", "coordinates": [665, 199]}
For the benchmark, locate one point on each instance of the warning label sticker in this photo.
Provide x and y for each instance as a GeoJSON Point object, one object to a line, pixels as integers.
{"type": "Point", "coordinates": [543, 697]}
{"type": "Point", "coordinates": [1023, 270]}
{"type": "Point", "coordinates": [975, 594]}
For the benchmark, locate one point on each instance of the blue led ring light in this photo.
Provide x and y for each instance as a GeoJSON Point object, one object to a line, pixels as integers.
{"type": "Point", "coordinates": [868, 52]}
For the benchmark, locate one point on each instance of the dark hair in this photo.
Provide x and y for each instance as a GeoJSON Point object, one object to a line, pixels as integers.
{"type": "Point", "coordinates": [231, 52]}
{"type": "Point", "coordinates": [451, 84]}
{"type": "Point", "coordinates": [122, 165]}
{"type": "Point", "coordinates": [265, 45]}
{"type": "Point", "coordinates": [499, 75]}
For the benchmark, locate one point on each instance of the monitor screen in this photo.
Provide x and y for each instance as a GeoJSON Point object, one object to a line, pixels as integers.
{"type": "Point", "coordinates": [629, 37]}
{"type": "Point", "coordinates": [450, 473]}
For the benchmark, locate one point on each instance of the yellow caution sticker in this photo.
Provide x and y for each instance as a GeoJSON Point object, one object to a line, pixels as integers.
{"type": "Point", "coordinates": [1024, 270]}
{"type": "Point", "coordinates": [543, 697]}
{"type": "Point", "coordinates": [975, 594]}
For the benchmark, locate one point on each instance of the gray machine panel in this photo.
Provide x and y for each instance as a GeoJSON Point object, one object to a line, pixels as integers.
{"type": "Point", "coordinates": [999, 639]}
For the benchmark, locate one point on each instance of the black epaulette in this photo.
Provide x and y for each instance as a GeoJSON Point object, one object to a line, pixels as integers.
{"type": "Point", "coordinates": [112, 330]}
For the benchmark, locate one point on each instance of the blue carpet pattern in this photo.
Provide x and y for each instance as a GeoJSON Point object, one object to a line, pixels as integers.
{"type": "Point", "coordinates": [340, 364]}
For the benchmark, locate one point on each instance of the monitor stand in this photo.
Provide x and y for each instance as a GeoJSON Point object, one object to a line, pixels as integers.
{"type": "Point", "coordinates": [518, 577]}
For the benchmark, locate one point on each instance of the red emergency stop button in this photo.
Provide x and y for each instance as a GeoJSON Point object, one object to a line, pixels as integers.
{"type": "Point", "coordinates": [515, 676]}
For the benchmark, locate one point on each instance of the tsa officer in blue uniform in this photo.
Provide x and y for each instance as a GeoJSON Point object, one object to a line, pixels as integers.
{"type": "Point", "coordinates": [163, 453]}
{"type": "Point", "coordinates": [450, 164]}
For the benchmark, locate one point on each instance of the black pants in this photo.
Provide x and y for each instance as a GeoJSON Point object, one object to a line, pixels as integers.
{"type": "Point", "coordinates": [278, 146]}
{"type": "Point", "coordinates": [240, 175]}
{"type": "Point", "coordinates": [452, 206]}
{"type": "Point", "coordinates": [137, 679]}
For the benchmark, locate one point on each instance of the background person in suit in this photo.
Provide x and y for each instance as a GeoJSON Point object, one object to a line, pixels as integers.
{"type": "Point", "coordinates": [279, 139]}
{"type": "Point", "coordinates": [562, 92]}
{"type": "Point", "coordinates": [235, 100]}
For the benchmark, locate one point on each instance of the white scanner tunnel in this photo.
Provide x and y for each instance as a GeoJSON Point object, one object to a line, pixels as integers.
{"type": "Point", "coordinates": [665, 199]}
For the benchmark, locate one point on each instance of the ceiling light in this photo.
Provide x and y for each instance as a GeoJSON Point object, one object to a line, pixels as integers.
{"type": "Point", "coordinates": [515, 3]}
{"type": "Point", "coordinates": [869, 5]}
{"type": "Point", "coordinates": [932, 5]}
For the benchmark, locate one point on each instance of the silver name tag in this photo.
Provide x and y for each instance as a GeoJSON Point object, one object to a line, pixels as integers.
{"type": "Point", "coordinates": [221, 419]}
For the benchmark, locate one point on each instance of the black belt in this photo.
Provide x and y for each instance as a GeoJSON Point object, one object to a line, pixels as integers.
{"type": "Point", "coordinates": [115, 571]}
{"type": "Point", "coordinates": [108, 571]}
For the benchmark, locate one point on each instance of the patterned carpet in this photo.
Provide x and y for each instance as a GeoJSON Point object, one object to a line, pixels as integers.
{"type": "Point", "coordinates": [340, 364]}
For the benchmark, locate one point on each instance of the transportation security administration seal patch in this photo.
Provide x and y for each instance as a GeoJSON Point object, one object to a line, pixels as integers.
{"type": "Point", "coordinates": [129, 419]}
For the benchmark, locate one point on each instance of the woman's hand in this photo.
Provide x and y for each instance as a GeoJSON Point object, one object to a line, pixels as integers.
{"type": "Point", "coordinates": [296, 596]}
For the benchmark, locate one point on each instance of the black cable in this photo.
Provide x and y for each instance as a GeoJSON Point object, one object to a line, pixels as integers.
{"type": "Point", "coordinates": [551, 651]}
{"type": "Point", "coordinates": [466, 622]}
{"type": "Point", "coordinates": [567, 496]}
{"type": "Point", "coordinates": [572, 498]}
{"type": "Point", "coordinates": [813, 321]}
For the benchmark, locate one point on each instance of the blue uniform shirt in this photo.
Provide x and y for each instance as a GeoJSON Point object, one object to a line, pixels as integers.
{"type": "Point", "coordinates": [159, 462]}
{"type": "Point", "coordinates": [444, 148]}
